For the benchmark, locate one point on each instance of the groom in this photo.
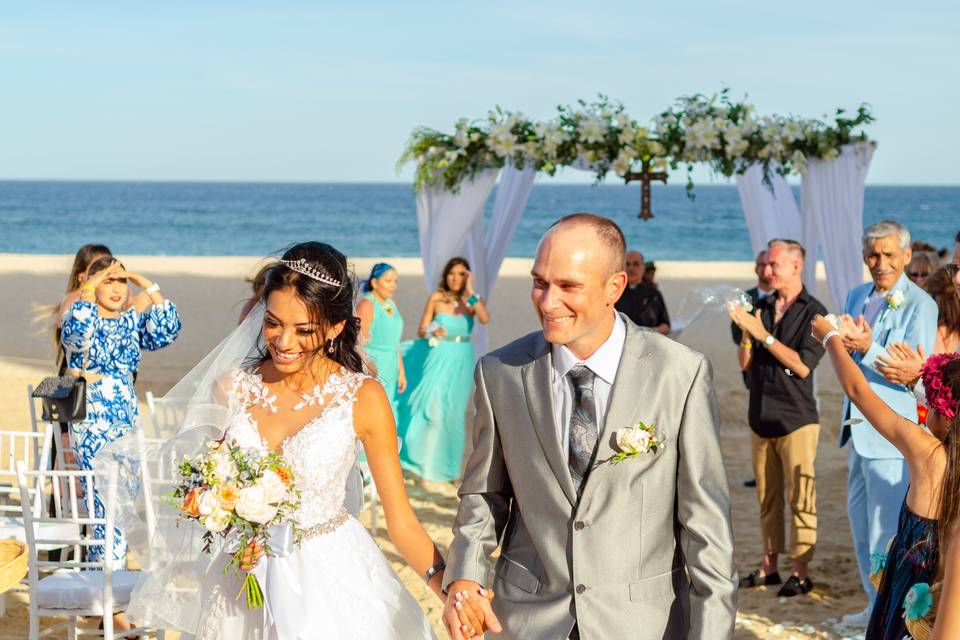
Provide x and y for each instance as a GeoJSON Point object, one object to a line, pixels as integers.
{"type": "Point", "coordinates": [589, 548]}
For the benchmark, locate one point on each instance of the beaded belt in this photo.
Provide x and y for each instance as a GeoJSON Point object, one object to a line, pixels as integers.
{"type": "Point", "coordinates": [328, 526]}
{"type": "Point", "coordinates": [456, 338]}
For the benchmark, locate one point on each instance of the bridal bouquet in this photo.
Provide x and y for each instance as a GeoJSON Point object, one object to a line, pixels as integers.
{"type": "Point", "coordinates": [231, 490]}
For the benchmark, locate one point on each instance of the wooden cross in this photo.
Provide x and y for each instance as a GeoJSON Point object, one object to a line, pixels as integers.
{"type": "Point", "coordinates": [645, 176]}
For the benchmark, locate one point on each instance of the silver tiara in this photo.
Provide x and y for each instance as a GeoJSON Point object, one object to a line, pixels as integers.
{"type": "Point", "coordinates": [302, 266]}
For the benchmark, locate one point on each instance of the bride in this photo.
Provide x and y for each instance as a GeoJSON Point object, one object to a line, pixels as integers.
{"type": "Point", "coordinates": [290, 379]}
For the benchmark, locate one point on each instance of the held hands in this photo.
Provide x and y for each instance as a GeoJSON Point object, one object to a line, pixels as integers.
{"type": "Point", "coordinates": [468, 613]}
{"type": "Point", "coordinates": [902, 363]}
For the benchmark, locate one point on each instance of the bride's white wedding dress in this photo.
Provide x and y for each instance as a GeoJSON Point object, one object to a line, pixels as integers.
{"type": "Point", "coordinates": [337, 583]}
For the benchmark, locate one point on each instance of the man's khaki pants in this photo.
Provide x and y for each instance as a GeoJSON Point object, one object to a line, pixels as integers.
{"type": "Point", "coordinates": [785, 465]}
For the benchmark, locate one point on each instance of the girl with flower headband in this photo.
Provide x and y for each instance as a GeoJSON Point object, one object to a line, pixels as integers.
{"type": "Point", "coordinates": [932, 503]}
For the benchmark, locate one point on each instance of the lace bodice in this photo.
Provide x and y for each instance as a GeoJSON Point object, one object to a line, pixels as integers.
{"type": "Point", "coordinates": [321, 453]}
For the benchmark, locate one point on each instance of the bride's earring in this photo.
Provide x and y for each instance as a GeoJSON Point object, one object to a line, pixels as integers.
{"type": "Point", "coordinates": [330, 346]}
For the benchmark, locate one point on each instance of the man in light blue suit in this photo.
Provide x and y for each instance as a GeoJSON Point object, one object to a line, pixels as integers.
{"type": "Point", "coordinates": [888, 310]}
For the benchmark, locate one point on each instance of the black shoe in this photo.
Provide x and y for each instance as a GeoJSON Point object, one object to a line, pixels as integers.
{"type": "Point", "coordinates": [757, 580]}
{"type": "Point", "coordinates": [750, 483]}
{"type": "Point", "coordinates": [795, 587]}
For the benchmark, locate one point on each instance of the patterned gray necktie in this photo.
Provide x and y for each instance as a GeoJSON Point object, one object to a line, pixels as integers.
{"type": "Point", "coordinates": [583, 424]}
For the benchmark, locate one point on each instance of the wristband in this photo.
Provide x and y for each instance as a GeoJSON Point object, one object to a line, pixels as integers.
{"type": "Point", "coordinates": [434, 570]}
{"type": "Point", "coordinates": [746, 345]}
{"type": "Point", "coordinates": [152, 289]}
{"type": "Point", "coordinates": [472, 300]}
{"type": "Point", "coordinates": [830, 334]}
{"type": "Point", "coordinates": [88, 289]}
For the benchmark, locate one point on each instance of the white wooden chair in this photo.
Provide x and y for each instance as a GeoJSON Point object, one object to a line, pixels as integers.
{"type": "Point", "coordinates": [63, 451]}
{"type": "Point", "coordinates": [77, 587]}
{"type": "Point", "coordinates": [33, 451]}
{"type": "Point", "coordinates": [161, 420]}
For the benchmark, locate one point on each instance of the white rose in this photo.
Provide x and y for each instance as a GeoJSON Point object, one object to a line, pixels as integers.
{"type": "Point", "coordinates": [223, 467]}
{"type": "Point", "coordinates": [254, 506]}
{"type": "Point", "coordinates": [895, 299]}
{"type": "Point", "coordinates": [273, 486]}
{"type": "Point", "coordinates": [633, 440]}
{"type": "Point", "coordinates": [217, 521]}
{"type": "Point", "coordinates": [209, 503]}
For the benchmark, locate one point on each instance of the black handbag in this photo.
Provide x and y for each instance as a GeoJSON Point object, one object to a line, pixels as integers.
{"type": "Point", "coordinates": [63, 398]}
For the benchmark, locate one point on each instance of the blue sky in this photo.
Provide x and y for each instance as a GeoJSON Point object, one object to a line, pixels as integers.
{"type": "Point", "coordinates": [321, 91]}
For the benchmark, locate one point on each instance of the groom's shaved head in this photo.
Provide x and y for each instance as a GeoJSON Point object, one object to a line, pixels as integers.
{"type": "Point", "coordinates": [610, 235]}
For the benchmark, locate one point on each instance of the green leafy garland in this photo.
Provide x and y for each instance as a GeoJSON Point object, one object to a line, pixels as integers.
{"type": "Point", "coordinates": [726, 135]}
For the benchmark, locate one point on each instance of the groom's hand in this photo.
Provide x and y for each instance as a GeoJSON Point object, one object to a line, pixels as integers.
{"type": "Point", "coordinates": [465, 598]}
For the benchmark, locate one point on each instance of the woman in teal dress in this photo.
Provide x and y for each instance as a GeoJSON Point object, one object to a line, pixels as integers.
{"type": "Point", "coordinates": [381, 327]}
{"type": "Point", "coordinates": [439, 366]}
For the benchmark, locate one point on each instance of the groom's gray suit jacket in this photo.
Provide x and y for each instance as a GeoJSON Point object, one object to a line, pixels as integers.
{"type": "Point", "coordinates": [647, 552]}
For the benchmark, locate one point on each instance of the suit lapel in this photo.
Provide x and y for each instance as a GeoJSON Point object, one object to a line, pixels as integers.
{"type": "Point", "coordinates": [536, 386]}
{"type": "Point", "coordinates": [633, 386]}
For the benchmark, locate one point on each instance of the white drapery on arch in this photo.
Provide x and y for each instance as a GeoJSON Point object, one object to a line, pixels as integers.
{"type": "Point", "coordinates": [453, 224]}
{"type": "Point", "coordinates": [771, 210]}
{"type": "Point", "coordinates": [832, 206]}
{"type": "Point", "coordinates": [829, 221]}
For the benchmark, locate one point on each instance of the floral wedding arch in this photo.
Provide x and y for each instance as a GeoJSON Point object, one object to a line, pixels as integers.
{"type": "Point", "coordinates": [455, 173]}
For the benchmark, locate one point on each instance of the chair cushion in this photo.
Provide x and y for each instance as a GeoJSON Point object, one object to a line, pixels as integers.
{"type": "Point", "coordinates": [12, 527]}
{"type": "Point", "coordinates": [83, 589]}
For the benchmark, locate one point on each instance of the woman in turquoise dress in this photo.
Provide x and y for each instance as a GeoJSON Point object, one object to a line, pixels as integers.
{"type": "Point", "coordinates": [381, 327]}
{"type": "Point", "coordinates": [439, 367]}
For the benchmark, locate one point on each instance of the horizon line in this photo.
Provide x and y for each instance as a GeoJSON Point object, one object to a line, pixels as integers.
{"type": "Point", "coordinates": [404, 182]}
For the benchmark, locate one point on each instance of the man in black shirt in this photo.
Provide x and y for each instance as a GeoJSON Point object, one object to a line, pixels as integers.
{"type": "Point", "coordinates": [640, 302]}
{"type": "Point", "coordinates": [781, 353]}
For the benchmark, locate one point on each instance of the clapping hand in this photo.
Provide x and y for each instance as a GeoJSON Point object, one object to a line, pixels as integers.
{"type": "Point", "coordinates": [749, 323]}
{"type": "Point", "coordinates": [468, 613]}
{"type": "Point", "coordinates": [902, 363]}
{"type": "Point", "coordinates": [857, 334]}
{"type": "Point", "coordinates": [820, 327]}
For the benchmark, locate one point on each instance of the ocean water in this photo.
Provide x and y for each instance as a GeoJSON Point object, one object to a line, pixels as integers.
{"type": "Point", "coordinates": [156, 218]}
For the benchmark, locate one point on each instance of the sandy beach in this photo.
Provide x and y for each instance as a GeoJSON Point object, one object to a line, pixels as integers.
{"type": "Point", "coordinates": [209, 292]}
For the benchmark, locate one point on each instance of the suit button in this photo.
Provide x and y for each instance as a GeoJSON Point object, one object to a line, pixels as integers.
{"type": "Point", "coordinates": [581, 588]}
{"type": "Point", "coordinates": [578, 525]}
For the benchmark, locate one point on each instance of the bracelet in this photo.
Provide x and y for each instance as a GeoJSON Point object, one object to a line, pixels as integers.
{"type": "Point", "coordinates": [746, 345]}
{"type": "Point", "coordinates": [152, 289]}
{"type": "Point", "coordinates": [830, 334]}
{"type": "Point", "coordinates": [434, 570]}
{"type": "Point", "coordinates": [473, 300]}
{"type": "Point", "coordinates": [88, 290]}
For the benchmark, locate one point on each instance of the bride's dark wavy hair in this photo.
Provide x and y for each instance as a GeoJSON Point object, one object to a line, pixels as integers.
{"type": "Point", "coordinates": [327, 304]}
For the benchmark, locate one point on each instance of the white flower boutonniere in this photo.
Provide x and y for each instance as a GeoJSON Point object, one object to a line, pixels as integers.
{"type": "Point", "coordinates": [895, 299]}
{"type": "Point", "coordinates": [635, 440]}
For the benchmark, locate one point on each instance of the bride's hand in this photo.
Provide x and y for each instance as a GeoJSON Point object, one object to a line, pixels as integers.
{"type": "Point", "coordinates": [251, 555]}
{"type": "Point", "coordinates": [472, 622]}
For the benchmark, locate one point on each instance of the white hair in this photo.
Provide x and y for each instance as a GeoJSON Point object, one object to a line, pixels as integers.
{"type": "Point", "coordinates": [885, 229]}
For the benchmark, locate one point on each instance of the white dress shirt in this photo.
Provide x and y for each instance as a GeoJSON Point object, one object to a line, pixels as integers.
{"type": "Point", "coordinates": [604, 363]}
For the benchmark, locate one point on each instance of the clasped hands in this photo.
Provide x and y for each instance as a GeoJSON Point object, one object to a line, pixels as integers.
{"type": "Point", "coordinates": [468, 613]}
{"type": "Point", "coordinates": [748, 323]}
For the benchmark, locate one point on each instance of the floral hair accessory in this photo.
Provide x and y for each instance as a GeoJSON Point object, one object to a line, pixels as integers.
{"type": "Point", "coordinates": [938, 393]}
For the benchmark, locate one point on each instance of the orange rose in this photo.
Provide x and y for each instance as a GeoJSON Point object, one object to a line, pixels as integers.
{"type": "Point", "coordinates": [191, 502]}
{"type": "Point", "coordinates": [228, 496]}
{"type": "Point", "coordinates": [285, 476]}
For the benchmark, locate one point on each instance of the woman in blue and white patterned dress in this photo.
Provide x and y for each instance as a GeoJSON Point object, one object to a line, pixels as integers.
{"type": "Point", "coordinates": [104, 340]}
